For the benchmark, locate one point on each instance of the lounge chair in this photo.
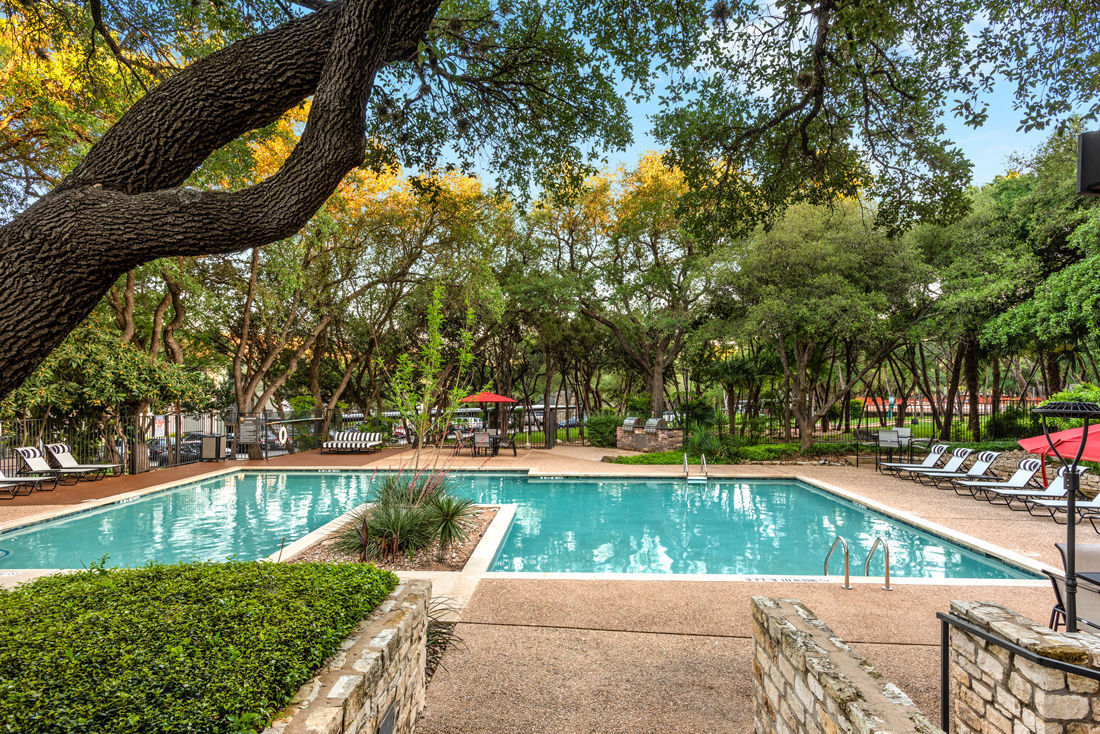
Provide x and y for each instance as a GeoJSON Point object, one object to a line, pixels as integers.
{"type": "Point", "coordinates": [1056, 490]}
{"type": "Point", "coordinates": [1052, 507]}
{"type": "Point", "coordinates": [28, 483]}
{"type": "Point", "coordinates": [1087, 599]}
{"type": "Point", "coordinates": [934, 455]}
{"type": "Point", "coordinates": [958, 458]}
{"type": "Point", "coordinates": [348, 442]}
{"type": "Point", "coordinates": [979, 470]}
{"type": "Point", "coordinates": [36, 464]}
{"type": "Point", "coordinates": [63, 455]}
{"type": "Point", "coordinates": [1026, 469]}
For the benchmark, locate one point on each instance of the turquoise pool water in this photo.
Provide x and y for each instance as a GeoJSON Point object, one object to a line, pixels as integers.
{"type": "Point", "coordinates": [605, 525]}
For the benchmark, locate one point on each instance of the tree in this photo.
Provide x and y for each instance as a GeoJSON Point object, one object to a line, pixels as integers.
{"type": "Point", "coordinates": [124, 204]}
{"type": "Point", "coordinates": [818, 278]}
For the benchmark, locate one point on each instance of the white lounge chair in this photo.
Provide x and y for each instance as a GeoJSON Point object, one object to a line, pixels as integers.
{"type": "Point", "coordinates": [979, 470]}
{"type": "Point", "coordinates": [1054, 506]}
{"type": "Point", "coordinates": [958, 458]}
{"type": "Point", "coordinates": [1026, 469]}
{"type": "Point", "coordinates": [36, 463]}
{"type": "Point", "coordinates": [63, 455]}
{"type": "Point", "coordinates": [7, 484]}
{"type": "Point", "coordinates": [1056, 490]}
{"type": "Point", "coordinates": [347, 442]}
{"type": "Point", "coordinates": [934, 455]}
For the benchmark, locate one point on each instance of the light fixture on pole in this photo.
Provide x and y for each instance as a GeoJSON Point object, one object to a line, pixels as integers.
{"type": "Point", "coordinates": [1088, 412]}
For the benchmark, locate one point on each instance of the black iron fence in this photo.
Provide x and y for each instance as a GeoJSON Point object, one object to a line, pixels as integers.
{"type": "Point", "coordinates": [1007, 418]}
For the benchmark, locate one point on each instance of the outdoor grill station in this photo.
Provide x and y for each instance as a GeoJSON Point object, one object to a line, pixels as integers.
{"type": "Point", "coordinates": [652, 434]}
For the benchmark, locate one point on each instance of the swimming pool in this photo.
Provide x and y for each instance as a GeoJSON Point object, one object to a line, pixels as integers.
{"type": "Point", "coordinates": [594, 525]}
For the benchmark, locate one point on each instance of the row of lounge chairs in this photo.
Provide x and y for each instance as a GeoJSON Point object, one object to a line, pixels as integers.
{"type": "Point", "coordinates": [39, 474]}
{"type": "Point", "coordinates": [1022, 491]}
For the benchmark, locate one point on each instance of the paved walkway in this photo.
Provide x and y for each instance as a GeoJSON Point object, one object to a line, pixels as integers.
{"type": "Point", "coordinates": [660, 656]}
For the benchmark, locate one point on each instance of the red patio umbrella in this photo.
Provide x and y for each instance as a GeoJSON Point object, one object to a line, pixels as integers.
{"type": "Point", "coordinates": [1067, 442]}
{"type": "Point", "coordinates": [487, 397]}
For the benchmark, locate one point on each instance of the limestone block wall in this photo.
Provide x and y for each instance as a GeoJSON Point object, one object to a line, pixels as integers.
{"type": "Point", "coordinates": [808, 680]}
{"type": "Point", "coordinates": [665, 439]}
{"type": "Point", "coordinates": [993, 690]}
{"type": "Point", "coordinates": [378, 674]}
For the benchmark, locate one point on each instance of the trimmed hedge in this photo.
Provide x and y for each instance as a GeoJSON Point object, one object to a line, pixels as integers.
{"type": "Point", "coordinates": [196, 647]}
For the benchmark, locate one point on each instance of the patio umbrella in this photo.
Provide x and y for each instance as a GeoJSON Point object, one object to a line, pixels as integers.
{"type": "Point", "coordinates": [1067, 442]}
{"type": "Point", "coordinates": [487, 397]}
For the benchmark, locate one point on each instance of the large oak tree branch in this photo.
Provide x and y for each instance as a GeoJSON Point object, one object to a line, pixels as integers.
{"type": "Point", "coordinates": [119, 207]}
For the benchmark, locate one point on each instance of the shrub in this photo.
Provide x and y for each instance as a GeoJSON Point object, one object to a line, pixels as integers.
{"type": "Point", "coordinates": [410, 512]}
{"type": "Point", "coordinates": [196, 647]}
{"type": "Point", "coordinates": [699, 441]}
{"type": "Point", "coordinates": [600, 429]}
{"type": "Point", "coordinates": [447, 518]}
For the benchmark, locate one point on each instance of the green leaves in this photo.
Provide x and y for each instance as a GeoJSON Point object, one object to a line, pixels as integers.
{"type": "Point", "coordinates": [92, 375]}
{"type": "Point", "coordinates": [206, 647]}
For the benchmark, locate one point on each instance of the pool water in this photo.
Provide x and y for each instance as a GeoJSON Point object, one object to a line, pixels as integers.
{"type": "Point", "coordinates": [592, 525]}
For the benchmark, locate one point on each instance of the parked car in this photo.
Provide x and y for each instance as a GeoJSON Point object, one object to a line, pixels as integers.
{"type": "Point", "coordinates": [572, 421]}
{"type": "Point", "coordinates": [162, 451]}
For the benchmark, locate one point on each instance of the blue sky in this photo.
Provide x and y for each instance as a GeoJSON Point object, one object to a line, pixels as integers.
{"type": "Point", "coordinates": [988, 147]}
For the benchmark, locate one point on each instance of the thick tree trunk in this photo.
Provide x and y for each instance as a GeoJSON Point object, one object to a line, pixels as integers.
{"type": "Point", "coordinates": [121, 207]}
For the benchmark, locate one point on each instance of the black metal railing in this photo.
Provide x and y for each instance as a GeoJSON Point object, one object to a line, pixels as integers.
{"type": "Point", "coordinates": [947, 621]}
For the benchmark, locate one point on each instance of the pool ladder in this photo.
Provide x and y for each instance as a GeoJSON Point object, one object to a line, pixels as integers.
{"type": "Point", "coordinates": [700, 478]}
{"type": "Point", "coordinates": [879, 542]}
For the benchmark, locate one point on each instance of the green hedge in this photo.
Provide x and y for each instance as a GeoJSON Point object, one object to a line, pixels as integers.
{"type": "Point", "coordinates": [199, 647]}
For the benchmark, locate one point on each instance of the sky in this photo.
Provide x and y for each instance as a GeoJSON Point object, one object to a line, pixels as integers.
{"type": "Point", "coordinates": [988, 148]}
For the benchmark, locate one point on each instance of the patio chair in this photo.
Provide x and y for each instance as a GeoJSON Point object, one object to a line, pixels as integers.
{"type": "Point", "coordinates": [36, 464]}
{"type": "Point", "coordinates": [979, 470]}
{"type": "Point", "coordinates": [1026, 469]}
{"type": "Point", "coordinates": [29, 483]}
{"type": "Point", "coordinates": [481, 444]}
{"type": "Point", "coordinates": [63, 455]}
{"type": "Point", "coordinates": [1088, 602]}
{"type": "Point", "coordinates": [1056, 490]}
{"type": "Point", "coordinates": [864, 440]}
{"type": "Point", "coordinates": [1087, 557]}
{"type": "Point", "coordinates": [508, 443]}
{"type": "Point", "coordinates": [958, 458]}
{"type": "Point", "coordinates": [934, 455]}
{"type": "Point", "coordinates": [890, 441]}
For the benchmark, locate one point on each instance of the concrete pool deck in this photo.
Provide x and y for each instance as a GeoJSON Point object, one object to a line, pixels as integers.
{"type": "Point", "coordinates": [545, 655]}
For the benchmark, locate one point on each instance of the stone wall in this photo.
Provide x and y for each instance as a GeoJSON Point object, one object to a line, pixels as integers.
{"type": "Point", "coordinates": [665, 439]}
{"type": "Point", "coordinates": [993, 690]}
{"type": "Point", "coordinates": [808, 680]}
{"type": "Point", "coordinates": [378, 672]}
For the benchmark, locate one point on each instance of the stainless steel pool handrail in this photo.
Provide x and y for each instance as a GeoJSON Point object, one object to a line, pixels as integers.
{"type": "Point", "coordinates": [703, 461]}
{"type": "Point", "coordinates": [844, 544]}
{"type": "Point", "coordinates": [686, 474]}
{"type": "Point", "coordinates": [879, 541]}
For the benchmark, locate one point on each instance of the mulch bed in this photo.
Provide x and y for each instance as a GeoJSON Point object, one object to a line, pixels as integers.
{"type": "Point", "coordinates": [427, 559]}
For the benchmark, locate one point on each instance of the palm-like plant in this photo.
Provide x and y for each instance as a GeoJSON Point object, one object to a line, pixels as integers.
{"type": "Point", "coordinates": [448, 515]}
